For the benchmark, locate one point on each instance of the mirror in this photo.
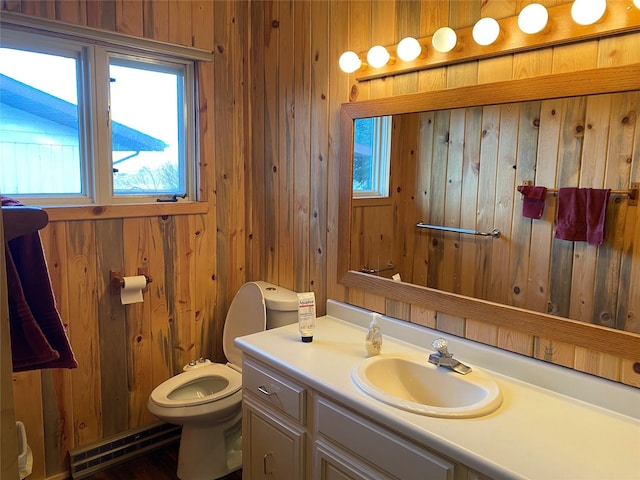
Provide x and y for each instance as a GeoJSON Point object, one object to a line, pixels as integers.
{"type": "Point", "coordinates": [510, 292]}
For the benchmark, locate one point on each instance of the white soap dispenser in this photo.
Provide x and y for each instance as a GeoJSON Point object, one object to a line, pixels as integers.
{"type": "Point", "coordinates": [374, 337]}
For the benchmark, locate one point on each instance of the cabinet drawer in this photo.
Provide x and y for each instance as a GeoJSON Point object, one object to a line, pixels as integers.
{"type": "Point", "coordinates": [394, 455]}
{"type": "Point", "coordinates": [274, 389]}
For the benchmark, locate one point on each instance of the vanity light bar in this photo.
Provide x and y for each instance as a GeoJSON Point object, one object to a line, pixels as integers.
{"type": "Point", "coordinates": [621, 16]}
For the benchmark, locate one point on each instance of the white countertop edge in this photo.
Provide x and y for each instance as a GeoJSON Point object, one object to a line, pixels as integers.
{"type": "Point", "coordinates": [601, 392]}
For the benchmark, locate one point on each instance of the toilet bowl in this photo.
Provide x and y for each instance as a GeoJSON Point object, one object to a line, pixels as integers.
{"type": "Point", "coordinates": [206, 399]}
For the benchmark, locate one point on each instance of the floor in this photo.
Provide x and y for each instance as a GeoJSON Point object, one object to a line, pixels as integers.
{"type": "Point", "coordinates": [160, 464]}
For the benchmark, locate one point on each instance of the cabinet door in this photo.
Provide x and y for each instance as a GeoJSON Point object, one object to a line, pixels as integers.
{"type": "Point", "coordinates": [331, 464]}
{"type": "Point", "coordinates": [272, 447]}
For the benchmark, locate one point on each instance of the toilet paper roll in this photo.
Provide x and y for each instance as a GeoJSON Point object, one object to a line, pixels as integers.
{"type": "Point", "coordinates": [131, 291]}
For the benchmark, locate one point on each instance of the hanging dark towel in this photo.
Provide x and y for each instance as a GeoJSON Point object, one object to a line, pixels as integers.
{"type": "Point", "coordinates": [533, 201]}
{"type": "Point", "coordinates": [581, 214]}
{"type": "Point", "coordinates": [38, 337]}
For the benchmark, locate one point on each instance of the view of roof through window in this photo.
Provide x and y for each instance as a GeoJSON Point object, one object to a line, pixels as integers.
{"type": "Point", "coordinates": [41, 137]}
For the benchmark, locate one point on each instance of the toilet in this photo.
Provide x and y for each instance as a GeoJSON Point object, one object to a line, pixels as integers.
{"type": "Point", "coordinates": [206, 399]}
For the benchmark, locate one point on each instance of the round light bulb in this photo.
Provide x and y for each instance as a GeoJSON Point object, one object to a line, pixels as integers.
{"type": "Point", "coordinates": [444, 39]}
{"type": "Point", "coordinates": [377, 56]}
{"type": "Point", "coordinates": [587, 12]}
{"type": "Point", "coordinates": [349, 62]}
{"type": "Point", "coordinates": [409, 49]}
{"type": "Point", "coordinates": [533, 18]}
{"type": "Point", "coordinates": [486, 31]}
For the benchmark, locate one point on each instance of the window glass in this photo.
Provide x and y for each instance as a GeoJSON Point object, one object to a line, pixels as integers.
{"type": "Point", "coordinates": [371, 156]}
{"type": "Point", "coordinates": [39, 129]}
{"type": "Point", "coordinates": [363, 154]}
{"type": "Point", "coordinates": [147, 151]}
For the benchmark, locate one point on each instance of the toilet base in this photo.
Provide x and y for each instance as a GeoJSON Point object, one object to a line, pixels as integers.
{"type": "Point", "coordinates": [208, 453]}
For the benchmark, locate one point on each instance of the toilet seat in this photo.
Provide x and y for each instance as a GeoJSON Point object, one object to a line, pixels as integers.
{"type": "Point", "coordinates": [207, 400]}
{"type": "Point", "coordinates": [199, 386]}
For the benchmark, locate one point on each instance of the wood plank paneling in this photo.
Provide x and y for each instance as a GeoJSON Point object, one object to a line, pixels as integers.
{"type": "Point", "coordinates": [338, 91]}
{"type": "Point", "coordinates": [83, 331]}
{"type": "Point", "coordinates": [322, 56]}
{"type": "Point", "coordinates": [286, 134]}
{"type": "Point", "coordinates": [155, 16]}
{"type": "Point", "coordinates": [269, 120]}
{"type": "Point", "coordinates": [112, 327]}
{"type": "Point", "coordinates": [139, 338]}
{"type": "Point", "coordinates": [302, 123]}
{"type": "Point", "coordinates": [57, 390]}
{"type": "Point", "coordinates": [258, 173]}
{"type": "Point", "coordinates": [129, 17]}
{"type": "Point", "coordinates": [179, 22]}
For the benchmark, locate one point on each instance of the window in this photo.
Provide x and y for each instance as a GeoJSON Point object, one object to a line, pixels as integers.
{"type": "Point", "coordinates": [39, 129]}
{"type": "Point", "coordinates": [371, 157]}
{"type": "Point", "coordinates": [87, 120]}
{"type": "Point", "coordinates": [153, 120]}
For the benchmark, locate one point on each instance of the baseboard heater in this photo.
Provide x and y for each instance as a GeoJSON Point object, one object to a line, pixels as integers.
{"type": "Point", "coordinates": [109, 451]}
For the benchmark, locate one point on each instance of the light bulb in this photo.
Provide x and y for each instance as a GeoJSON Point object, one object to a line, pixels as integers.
{"type": "Point", "coordinates": [486, 31]}
{"type": "Point", "coordinates": [349, 62]}
{"type": "Point", "coordinates": [636, 3]}
{"type": "Point", "coordinates": [445, 39]}
{"type": "Point", "coordinates": [587, 12]}
{"type": "Point", "coordinates": [377, 56]}
{"type": "Point", "coordinates": [409, 49]}
{"type": "Point", "coordinates": [533, 18]}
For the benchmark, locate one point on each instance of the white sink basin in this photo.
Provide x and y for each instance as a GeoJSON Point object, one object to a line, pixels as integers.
{"type": "Point", "coordinates": [410, 382]}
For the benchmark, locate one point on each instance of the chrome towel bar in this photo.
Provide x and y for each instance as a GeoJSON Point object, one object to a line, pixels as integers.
{"type": "Point", "coordinates": [373, 271]}
{"type": "Point", "coordinates": [495, 233]}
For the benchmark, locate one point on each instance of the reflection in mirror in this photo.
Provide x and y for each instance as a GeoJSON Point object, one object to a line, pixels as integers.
{"type": "Point", "coordinates": [461, 168]}
{"type": "Point", "coordinates": [371, 156]}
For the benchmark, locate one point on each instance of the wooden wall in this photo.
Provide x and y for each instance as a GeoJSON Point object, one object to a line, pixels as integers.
{"type": "Point", "coordinates": [123, 352]}
{"type": "Point", "coordinates": [270, 130]}
{"type": "Point", "coordinates": [296, 89]}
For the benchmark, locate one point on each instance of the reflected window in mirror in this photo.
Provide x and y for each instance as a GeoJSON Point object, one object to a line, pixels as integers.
{"type": "Point", "coordinates": [371, 157]}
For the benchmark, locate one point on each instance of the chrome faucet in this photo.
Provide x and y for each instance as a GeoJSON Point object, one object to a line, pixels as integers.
{"type": "Point", "coordinates": [445, 359]}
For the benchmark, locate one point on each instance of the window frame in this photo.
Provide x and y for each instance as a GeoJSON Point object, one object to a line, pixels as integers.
{"type": "Point", "coordinates": [95, 48]}
{"type": "Point", "coordinates": [380, 160]}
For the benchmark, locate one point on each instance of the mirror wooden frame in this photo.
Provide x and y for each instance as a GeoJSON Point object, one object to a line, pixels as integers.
{"type": "Point", "coordinates": [587, 82]}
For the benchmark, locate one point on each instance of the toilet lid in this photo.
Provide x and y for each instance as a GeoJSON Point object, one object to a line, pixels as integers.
{"type": "Point", "coordinates": [247, 314]}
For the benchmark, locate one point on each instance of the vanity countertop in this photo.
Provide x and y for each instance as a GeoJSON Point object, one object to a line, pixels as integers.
{"type": "Point", "coordinates": [575, 431]}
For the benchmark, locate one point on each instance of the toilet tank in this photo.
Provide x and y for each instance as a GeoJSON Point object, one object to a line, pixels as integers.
{"type": "Point", "coordinates": [281, 304]}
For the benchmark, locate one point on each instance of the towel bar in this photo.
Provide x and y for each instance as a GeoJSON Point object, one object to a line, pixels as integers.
{"type": "Point", "coordinates": [495, 233]}
{"type": "Point", "coordinates": [373, 271]}
{"type": "Point", "coordinates": [633, 193]}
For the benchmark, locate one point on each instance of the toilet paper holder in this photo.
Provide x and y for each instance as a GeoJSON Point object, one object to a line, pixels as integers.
{"type": "Point", "coordinates": [117, 280]}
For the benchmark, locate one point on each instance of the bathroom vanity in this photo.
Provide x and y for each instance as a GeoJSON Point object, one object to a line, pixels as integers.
{"type": "Point", "coordinates": [304, 417]}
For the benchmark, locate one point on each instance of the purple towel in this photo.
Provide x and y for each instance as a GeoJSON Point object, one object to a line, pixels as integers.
{"type": "Point", "coordinates": [581, 214]}
{"type": "Point", "coordinates": [38, 337]}
{"type": "Point", "coordinates": [533, 201]}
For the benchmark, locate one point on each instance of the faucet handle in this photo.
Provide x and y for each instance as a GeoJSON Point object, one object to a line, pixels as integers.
{"type": "Point", "coordinates": [440, 344]}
